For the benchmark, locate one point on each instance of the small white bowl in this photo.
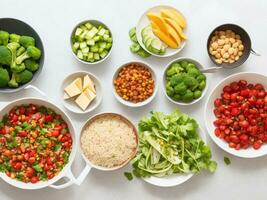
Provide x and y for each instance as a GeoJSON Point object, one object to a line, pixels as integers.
{"type": "Point", "coordinates": [70, 103]}
{"type": "Point", "coordinates": [199, 66]}
{"type": "Point", "coordinates": [174, 179]}
{"type": "Point", "coordinates": [95, 23]}
{"type": "Point", "coordinates": [144, 22]}
{"type": "Point", "coordinates": [139, 104]}
{"type": "Point", "coordinates": [209, 117]}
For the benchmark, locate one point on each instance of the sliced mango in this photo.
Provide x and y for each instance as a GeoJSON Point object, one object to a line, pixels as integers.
{"type": "Point", "coordinates": [163, 37]}
{"type": "Point", "coordinates": [173, 14]}
{"type": "Point", "coordinates": [176, 26]}
{"type": "Point", "coordinates": [158, 20]}
{"type": "Point", "coordinates": [174, 35]}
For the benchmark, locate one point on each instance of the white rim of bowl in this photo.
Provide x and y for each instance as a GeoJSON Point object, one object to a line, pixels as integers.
{"type": "Point", "coordinates": [199, 66]}
{"type": "Point", "coordinates": [126, 120]}
{"type": "Point", "coordinates": [149, 99]}
{"type": "Point", "coordinates": [100, 95]}
{"type": "Point", "coordinates": [210, 132]}
{"type": "Point", "coordinates": [92, 21]}
{"type": "Point", "coordinates": [141, 42]}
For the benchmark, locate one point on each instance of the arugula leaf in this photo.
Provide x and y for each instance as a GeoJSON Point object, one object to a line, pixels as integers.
{"type": "Point", "coordinates": [128, 175]}
{"type": "Point", "coordinates": [227, 160]}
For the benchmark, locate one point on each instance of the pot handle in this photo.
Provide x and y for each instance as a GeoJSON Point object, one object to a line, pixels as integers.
{"type": "Point", "coordinates": [36, 89]}
{"type": "Point", "coordinates": [83, 174]}
{"type": "Point", "coordinates": [71, 180]}
{"type": "Point", "coordinates": [256, 53]}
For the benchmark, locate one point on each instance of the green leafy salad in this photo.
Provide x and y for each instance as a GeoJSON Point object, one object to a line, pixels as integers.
{"type": "Point", "coordinates": [170, 144]}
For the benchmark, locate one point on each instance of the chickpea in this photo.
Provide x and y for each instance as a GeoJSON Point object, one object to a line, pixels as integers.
{"type": "Point", "coordinates": [240, 53]}
{"type": "Point", "coordinates": [232, 40]}
{"type": "Point", "coordinates": [226, 47]}
{"type": "Point", "coordinates": [221, 42]}
{"type": "Point", "coordinates": [219, 61]}
{"type": "Point", "coordinates": [236, 58]}
{"type": "Point", "coordinates": [218, 55]}
{"type": "Point", "coordinates": [214, 45]}
{"type": "Point", "coordinates": [226, 55]}
{"type": "Point", "coordinates": [237, 37]}
{"type": "Point", "coordinates": [231, 51]}
{"type": "Point", "coordinates": [241, 47]}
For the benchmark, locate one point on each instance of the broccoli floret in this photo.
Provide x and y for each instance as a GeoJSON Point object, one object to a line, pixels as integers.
{"type": "Point", "coordinates": [176, 79]}
{"type": "Point", "coordinates": [202, 85]}
{"type": "Point", "coordinates": [184, 63]}
{"type": "Point", "coordinates": [175, 68]}
{"type": "Point", "coordinates": [5, 56]}
{"type": "Point", "coordinates": [13, 83]}
{"type": "Point", "coordinates": [190, 66]}
{"type": "Point", "coordinates": [14, 66]}
{"type": "Point", "coordinates": [169, 89]}
{"type": "Point", "coordinates": [201, 77]}
{"type": "Point", "coordinates": [27, 41]}
{"type": "Point", "coordinates": [193, 72]}
{"type": "Point", "coordinates": [4, 37]}
{"type": "Point", "coordinates": [21, 50]}
{"type": "Point", "coordinates": [197, 94]}
{"type": "Point", "coordinates": [176, 97]}
{"type": "Point", "coordinates": [4, 77]}
{"type": "Point", "coordinates": [31, 52]}
{"type": "Point", "coordinates": [14, 38]}
{"type": "Point", "coordinates": [188, 96]}
{"type": "Point", "coordinates": [31, 65]}
{"type": "Point", "coordinates": [24, 76]}
{"type": "Point", "coordinates": [180, 88]}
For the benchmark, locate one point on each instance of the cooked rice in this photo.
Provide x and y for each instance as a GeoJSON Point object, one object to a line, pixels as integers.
{"type": "Point", "coordinates": [108, 141]}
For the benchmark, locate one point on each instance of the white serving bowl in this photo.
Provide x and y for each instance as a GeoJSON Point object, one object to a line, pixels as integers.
{"type": "Point", "coordinates": [66, 171]}
{"type": "Point", "coordinates": [139, 104]}
{"type": "Point", "coordinates": [174, 179]}
{"type": "Point", "coordinates": [144, 22]}
{"type": "Point", "coordinates": [95, 23]}
{"type": "Point", "coordinates": [180, 103]}
{"type": "Point", "coordinates": [70, 103]}
{"type": "Point", "coordinates": [250, 77]}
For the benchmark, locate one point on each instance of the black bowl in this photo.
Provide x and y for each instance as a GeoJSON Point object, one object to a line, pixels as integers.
{"type": "Point", "coordinates": [244, 38]}
{"type": "Point", "coordinates": [21, 28]}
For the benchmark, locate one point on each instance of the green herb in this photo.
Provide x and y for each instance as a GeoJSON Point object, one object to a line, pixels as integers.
{"type": "Point", "coordinates": [42, 109]}
{"type": "Point", "coordinates": [18, 128]}
{"type": "Point", "coordinates": [128, 175]}
{"type": "Point", "coordinates": [65, 156]}
{"type": "Point", "coordinates": [227, 160]}
{"type": "Point", "coordinates": [43, 176]}
{"type": "Point", "coordinates": [170, 144]}
{"type": "Point", "coordinates": [37, 167]}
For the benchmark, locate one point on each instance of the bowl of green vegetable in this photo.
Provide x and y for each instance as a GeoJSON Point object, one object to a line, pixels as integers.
{"type": "Point", "coordinates": [91, 42]}
{"type": "Point", "coordinates": [172, 148]}
{"type": "Point", "coordinates": [184, 83]}
{"type": "Point", "coordinates": [21, 55]}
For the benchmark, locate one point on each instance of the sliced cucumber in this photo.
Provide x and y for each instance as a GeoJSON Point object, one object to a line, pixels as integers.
{"type": "Point", "coordinates": [148, 42]}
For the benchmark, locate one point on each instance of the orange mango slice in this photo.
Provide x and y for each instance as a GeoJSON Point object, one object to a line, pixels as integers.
{"type": "Point", "coordinates": [175, 15]}
{"type": "Point", "coordinates": [174, 35]}
{"type": "Point", "coordinates": [163, 37]}
{"type": "Point", "coordinates": [158, 20]}
{"type": "Point", "coordinates": [176, 26]}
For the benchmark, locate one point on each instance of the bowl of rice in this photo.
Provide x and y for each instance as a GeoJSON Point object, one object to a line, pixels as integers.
{"type": "Point", "coordinates": [108, 141]}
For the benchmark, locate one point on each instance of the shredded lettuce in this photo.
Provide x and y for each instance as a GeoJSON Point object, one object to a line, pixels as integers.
{"type": "Point", "coordinates": [170, 144]}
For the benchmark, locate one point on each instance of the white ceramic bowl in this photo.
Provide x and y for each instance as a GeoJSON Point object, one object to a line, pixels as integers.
{"type": "Point", "coordinates": [96, 23]}
{"type": "Point", "coordinates": [66, 171]}
{"type": "Point", "coordinates": [199, 66]}
{"type": "Point", "coordinates": [139, 104]}
{"type": "Point", "coordinates": [89, 165]}
{"type": "Point", "coordinates": [144, 22]}
{"type": "Point", "coordinates": [70, 103]}
{"type": "Point", "coordinates": [210, 117]}
{"type": "Point", "coordinates": [174, 179]}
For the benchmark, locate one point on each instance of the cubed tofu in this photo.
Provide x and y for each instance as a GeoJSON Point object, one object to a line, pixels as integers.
{"type": "Point", "coordinates": [88, 83]}
{"type": "Point", "coordinates": [74, 88]}
{"type": "Point", "coordinates": [83, 101]}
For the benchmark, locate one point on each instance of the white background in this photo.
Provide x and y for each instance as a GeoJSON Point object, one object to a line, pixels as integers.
{"type": "Point", "coordinates": [54, 20]}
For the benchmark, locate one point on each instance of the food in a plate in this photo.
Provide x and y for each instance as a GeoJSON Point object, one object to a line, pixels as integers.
{"type": "Point", "coordinates": [18, 59]}
{"type": "Point", "coordinates": [109, 141]}
{"type": "Point", "coordinates": [165, 30]}
{"type": "Point", "coordinates": [226, 47]}
{"type": "Point", "coordinates": [135, 46]}
{"type": "Point", "coordinates": [169, 144]}
{"type": "Point", "coordinates": [134, 83]}
{"type": "Point", "coordinates": [91, 43]}
{"type": "Point", "coordinates": [151, 42]}
{"type": "Point", "coordinates": [82, 91]}
{"type": "Point", "coordinates": [241, 113]}
{"type": "Point", "coordinates": [184, 81]}
{"type": "Point", "coordinates": [35, 143]}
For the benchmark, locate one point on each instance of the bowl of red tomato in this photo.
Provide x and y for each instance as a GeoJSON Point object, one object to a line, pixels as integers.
{"type": "Point", "coordinates": [37, 144]}
{"type": "Point", "coordinates": [236, 114]}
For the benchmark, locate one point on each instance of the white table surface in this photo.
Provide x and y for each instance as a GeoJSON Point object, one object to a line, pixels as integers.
{"type": "Point", "coordinates": [54, 20]}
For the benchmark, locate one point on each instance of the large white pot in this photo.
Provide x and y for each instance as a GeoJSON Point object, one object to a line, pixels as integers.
{"type": "Point", "coordinates": [66, 171]}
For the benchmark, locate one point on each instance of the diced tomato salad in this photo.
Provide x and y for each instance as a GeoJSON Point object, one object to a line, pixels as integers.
{"type": "Point", "coordinates": [35, 143]}
{"type": "Point", "coordinates": [242, 115]}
